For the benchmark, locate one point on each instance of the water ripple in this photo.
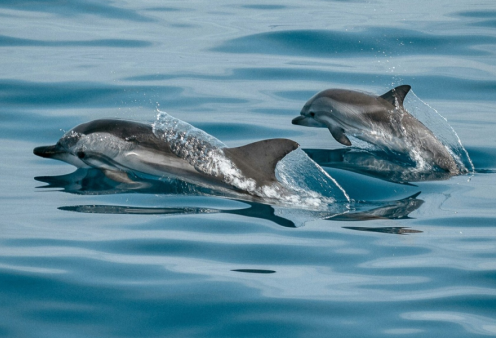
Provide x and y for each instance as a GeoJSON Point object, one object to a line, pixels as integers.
{"type": "Point", "coordinates": [454, 87]}
{"type": "Point", "coordinates": [76, 8]}
{"type": "Point", "coordinates": [373, 41]}
{"type": "Point", "coordinates": [8, 41]}
{"type": "Point", "coordinates": [471, 323]}
{"type": "Point", "coordinates": [149, 262]}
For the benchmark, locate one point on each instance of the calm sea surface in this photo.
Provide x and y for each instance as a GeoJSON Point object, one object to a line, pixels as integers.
{"type": "Point", "coordinates": [82, 256]}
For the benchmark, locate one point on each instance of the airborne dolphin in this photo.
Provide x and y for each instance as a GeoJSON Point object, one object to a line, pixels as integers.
{"type": "Point", "coordinates": [380, 120]}
{"type": "Point", "coordinates": [118, 147]}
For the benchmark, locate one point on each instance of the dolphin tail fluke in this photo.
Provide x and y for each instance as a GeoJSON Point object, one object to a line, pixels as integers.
{"type": "Point", "coordinates": [397, 95]}
{"type": "Point", "coordinates": [258, 160]}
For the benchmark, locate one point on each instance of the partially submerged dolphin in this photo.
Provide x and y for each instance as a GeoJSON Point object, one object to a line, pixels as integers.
{"type": "Point", "coordinates": [118, 147]}
{"type": "Point", "coordinates": [379, 120]}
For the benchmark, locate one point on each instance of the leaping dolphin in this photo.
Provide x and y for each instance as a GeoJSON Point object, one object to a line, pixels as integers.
{"type": "Point", "coordinates": [379, 120]}
{"type": "Point", "coordinates": [118, 147]}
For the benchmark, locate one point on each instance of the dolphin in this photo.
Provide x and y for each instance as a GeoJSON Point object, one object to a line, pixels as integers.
{"type": "Point", "coordinates": [119, 147]}
{"type": "Point", "coordinates": [379, 120]}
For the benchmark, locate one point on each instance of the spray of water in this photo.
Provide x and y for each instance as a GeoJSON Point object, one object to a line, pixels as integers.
{"type": "Point", "coordinates": [439, 125]}
{"type": "Point", "coordinates": [302, 182]}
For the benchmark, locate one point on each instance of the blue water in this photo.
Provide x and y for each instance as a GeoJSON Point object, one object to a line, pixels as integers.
{"type": "Point", "coordinates": [82, 256]}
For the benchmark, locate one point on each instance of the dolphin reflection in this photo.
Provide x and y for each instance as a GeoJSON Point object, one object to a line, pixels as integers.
{"type": "Point", "coordinates": [256, 210]}
{"type": "Point", "coordinates": [387, 230]}
{"type": "Point", "coordinates": [374, 163]}
{"type": "Point", "coordinates": [399, 209]}
{"type": "Point", "coordinates": [95, 182]}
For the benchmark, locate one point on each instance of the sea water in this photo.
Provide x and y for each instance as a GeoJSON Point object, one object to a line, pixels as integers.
{"type": "Point", "coordinates": [84, 256]}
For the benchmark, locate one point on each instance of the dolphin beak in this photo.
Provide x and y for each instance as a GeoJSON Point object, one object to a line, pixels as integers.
{"type": "Point", "coordinates": [298, 120]}
{"type": "Point", "coordinates": [47, 151]}
{"type": "Point", "coordinates": [308, 121]}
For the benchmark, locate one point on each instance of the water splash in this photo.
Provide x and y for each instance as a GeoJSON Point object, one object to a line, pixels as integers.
{"type": "Point", "coordinates": [444, 132]}
{"type": "Point", "coordinates": [301, 181]}
{"type": "Point", "coordinates": [202, 151]}
{"type": "Point", "coordinates": [301, 173]}
{"type": "Point", "coordinates": [414, 160]}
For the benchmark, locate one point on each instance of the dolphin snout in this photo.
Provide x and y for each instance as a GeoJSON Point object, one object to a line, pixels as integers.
{"type": "Point", "coordinates": [46, 151]}
{"type": "Point", "coordinates": [298, 120]}
{"type": "Point", "coordinates": [307, 121]}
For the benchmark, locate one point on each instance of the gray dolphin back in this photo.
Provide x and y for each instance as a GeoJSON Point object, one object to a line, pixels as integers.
{"type": "Point", "coordinates": [258, 160]}
{"type": "Point", "coordinates": [126, 130]}
{"type": "Point", "coordinates": [119, 128]}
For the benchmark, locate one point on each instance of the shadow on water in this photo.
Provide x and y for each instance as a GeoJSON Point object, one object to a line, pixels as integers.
{"type": "Point", "coordinates": [94, 182]}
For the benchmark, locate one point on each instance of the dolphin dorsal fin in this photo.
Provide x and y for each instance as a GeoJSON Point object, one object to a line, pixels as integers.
{"type": "Point", "coordinates": [397, 95]}
{"type": "Point", "coordinates": [258, 160]}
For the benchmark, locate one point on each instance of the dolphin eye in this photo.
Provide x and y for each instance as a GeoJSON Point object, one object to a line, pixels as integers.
{"type": "Point", "coordinates": [312, 114]}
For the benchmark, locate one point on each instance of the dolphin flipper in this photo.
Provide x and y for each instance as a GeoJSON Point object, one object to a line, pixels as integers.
{"type": "Point", "coordinates": [338, 133]}
{"type": "Point", "coordinates": [396, 95]}
{"type": "Point", "coordinates": [258, 160]}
